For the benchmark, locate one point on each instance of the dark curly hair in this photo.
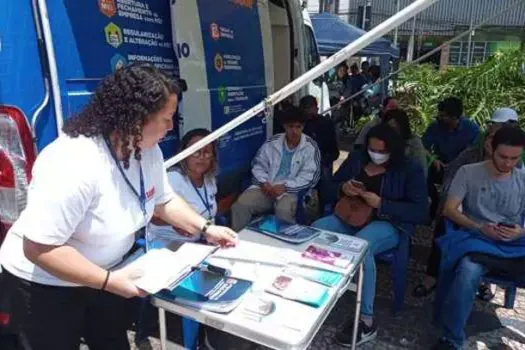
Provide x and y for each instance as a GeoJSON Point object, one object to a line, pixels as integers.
{"type": "Point", "coordinates": [122, 104]}
{"type": "Point", "coordinates": [394, 143]}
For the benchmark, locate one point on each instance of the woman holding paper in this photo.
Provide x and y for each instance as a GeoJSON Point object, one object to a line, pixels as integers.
{"type": "Point", "coordinates": [194, 180]}
{"type": "Point", "coordinates": [92, 190]}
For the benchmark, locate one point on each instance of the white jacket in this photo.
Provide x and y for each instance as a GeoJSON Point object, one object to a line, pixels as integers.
{"type": "Point", "coordinates": [305, 169]}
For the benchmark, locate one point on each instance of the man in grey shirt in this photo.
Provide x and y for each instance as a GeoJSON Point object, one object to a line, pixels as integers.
{"type": "Point", "coordinates": [487, 201]}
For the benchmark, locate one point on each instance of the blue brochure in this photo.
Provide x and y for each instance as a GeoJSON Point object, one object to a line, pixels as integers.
{"type": "Point", "coordinates": [210, 291]}
{"type": "Point", "coordinates": [292, 233]}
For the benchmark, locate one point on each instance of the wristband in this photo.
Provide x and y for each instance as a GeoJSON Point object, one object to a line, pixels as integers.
{"type": "Point", "coordinates": [105, 281]}
{"type": "Point", "coordinates": [207, 224]}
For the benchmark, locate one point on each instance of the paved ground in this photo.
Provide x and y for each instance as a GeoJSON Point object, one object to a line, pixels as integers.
{"type": "Point", "coordinates": [490, 325]}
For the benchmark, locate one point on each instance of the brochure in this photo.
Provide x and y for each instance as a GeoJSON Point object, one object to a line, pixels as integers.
{"type": "Point", "coordinates": [163, 268]}
{"type": "Point", "coordinates": [325, 277]}
{"type": "Point", "coordinates": [299, 289]}
{"type": "Point", "coordinates": [327, 256]}
{"type": "Point", "coordinates": [292, 233]}
{"type": "Point", "coordinates": [209, 291]}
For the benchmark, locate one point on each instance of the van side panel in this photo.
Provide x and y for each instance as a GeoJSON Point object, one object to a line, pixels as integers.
{"type": "Point", "coordinates": [21, 79]}
{"type": "Point", "coordinates": [234, 57]}
{"type": "Point", "coordinates": [93, 38]}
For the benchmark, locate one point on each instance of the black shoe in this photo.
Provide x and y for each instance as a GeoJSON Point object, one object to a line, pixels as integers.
{"type": "Point", "coordinates": [364, 333]}
{"type": "Point", "coordinates": [444, 344]}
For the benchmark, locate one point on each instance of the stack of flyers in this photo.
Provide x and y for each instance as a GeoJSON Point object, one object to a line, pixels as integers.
{"type": "Point", "coordinates": [326, 256]}
{"type": "Point", "coordinates": [299, 289]}
{"type": "Point", "coordinates": [325, 277]}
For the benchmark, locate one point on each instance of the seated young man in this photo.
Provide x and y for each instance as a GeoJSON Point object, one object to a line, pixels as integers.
{"type": "Point", "coordinates": [490, 237]}
{"type": "Point", "coordinates": [284, 165]}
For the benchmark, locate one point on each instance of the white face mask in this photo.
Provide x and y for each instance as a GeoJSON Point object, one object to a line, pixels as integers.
{"type": "Point", "coordinates": [378, 158]}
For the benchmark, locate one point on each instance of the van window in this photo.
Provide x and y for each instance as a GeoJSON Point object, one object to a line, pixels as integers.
{"type": "Point", "coordinates": [312, 55]}
{"type": "Point", "coordinates": [312, 58]}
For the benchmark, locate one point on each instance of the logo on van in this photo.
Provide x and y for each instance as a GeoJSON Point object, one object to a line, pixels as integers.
{"type": "Point", "coordinates": [222, 94]}
{"type": "Point", "coordinates": [107, 7]}
{"type": "Point", "coordinates": [117, 62]}
{"type": "Point", "coordinates": [113, 35]}
{"type": "Point", "coordinates": [219, 62]}
{"type": "Point", "coordinates": [215, 31]}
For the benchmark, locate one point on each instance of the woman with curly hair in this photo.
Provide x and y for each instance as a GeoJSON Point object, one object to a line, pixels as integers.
{"type": "Point", "coordinates": [93, 190]}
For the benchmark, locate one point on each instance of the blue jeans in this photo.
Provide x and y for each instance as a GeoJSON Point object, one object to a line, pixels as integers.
{"type": "Point", "coordinates": [380, 235]}
{"type": "Point", "coordinates": [459, 300]}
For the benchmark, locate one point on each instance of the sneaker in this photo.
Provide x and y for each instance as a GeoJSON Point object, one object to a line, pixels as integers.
{"type": "Point", "coordinates": [444, 344]}
{"type": "Point", "coordinates": [364, 333]}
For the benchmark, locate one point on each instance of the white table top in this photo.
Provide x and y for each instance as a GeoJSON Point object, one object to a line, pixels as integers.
{"type": "Point", "coordinates": [292, 325]}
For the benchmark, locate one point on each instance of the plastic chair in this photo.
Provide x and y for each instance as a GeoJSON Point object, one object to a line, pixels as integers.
{"type": "Point", "coordinates": [510, 285]}
{"type": "Point", "coordinates": [398, 258]}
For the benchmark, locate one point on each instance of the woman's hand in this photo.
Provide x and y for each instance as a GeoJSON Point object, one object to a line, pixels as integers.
{"type": "Point", "coordinates": [350, 190]}
{"type": "Point", "coordinates": [221, 235]}
{"type": "Point", "coordinates": [121, 283]}
{"type": "Point", "coordinates": [508, 233]}
{"type": "Point", "coordinates": [372, 199]}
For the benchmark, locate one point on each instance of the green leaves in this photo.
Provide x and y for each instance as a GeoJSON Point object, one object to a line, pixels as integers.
{"type": "Point", "coordinates": [498, 82]}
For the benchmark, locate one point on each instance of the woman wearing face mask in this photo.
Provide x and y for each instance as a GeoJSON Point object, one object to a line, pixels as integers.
{"type": "Point", "coordinates": [394, 186]}
{"type": "Point", "coordinates": [194, 180]}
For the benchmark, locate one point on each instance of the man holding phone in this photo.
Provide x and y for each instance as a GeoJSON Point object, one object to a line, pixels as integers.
{"type": "Point", "coordinates": [489, 236]}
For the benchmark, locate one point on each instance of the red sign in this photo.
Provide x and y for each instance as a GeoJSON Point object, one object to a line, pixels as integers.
{"type": "Point", "coordinates": [107, 7]}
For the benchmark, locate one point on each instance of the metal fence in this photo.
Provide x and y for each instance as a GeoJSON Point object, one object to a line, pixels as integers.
{"type": "Point", "coordinates": [438, 24]}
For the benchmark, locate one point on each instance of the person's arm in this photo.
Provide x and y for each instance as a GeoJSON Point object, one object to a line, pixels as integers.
{"type": "Point", "coordinates": [261, 166]}
{"type": "Point", "coordinates": [80, 270]}
{"type": "Point", "coordinates": [177, 212]}
{"type": "Point", "coordinates": [309, 173]}
{"type": "Point", "coordinates": [452, 212]}
{"type": "Point", "coordinates": [413, 208]}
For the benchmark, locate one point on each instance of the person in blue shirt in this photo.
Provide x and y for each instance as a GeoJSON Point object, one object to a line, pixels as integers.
{"type": "Point", "coordinates": [445, 139]}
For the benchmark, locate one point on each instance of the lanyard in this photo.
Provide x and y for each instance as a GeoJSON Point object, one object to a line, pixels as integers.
{"type": "Point", "coordinates": [205, 199]}
{"type": "Point", "coordinates": [140, 196]}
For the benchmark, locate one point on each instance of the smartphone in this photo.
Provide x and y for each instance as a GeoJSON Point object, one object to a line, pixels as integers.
{"type": "Point", "coordinates": [358, 184]}
{"type": "Point", "coordinates": [506, 224]}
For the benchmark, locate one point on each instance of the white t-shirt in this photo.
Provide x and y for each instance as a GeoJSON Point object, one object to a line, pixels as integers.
{"type": "Point", "coordinates": [78, 197]}
{"type": "Point", "coordinates": [183, 186]}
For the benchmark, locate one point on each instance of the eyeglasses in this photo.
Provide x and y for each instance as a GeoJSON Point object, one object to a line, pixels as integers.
{"type": "Point", "coordinates": [203, 154]}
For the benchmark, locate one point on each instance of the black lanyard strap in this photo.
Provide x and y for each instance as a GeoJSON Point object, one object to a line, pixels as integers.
{"type": "Point", "coordinates": [140, 196]}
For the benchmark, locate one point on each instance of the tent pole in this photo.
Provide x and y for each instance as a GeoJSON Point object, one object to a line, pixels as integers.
{"type": "Point", "coordinates": [396, 31]}
{"type": "Point", "coordinates": [348, 51]}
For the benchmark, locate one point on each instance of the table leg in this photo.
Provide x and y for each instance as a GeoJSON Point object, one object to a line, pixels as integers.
{"type": "Point", "coordinates": [162, 328]}
{"type": "Point", "coordinates": [357, 305]}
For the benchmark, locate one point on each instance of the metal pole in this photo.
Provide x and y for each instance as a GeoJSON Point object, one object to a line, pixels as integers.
{"type": "Point", "coordinates": [348, 51]}
{"type": "Point", "coordinates": [357, 304]}
{"type": "Point", "coordinates": [396, 31]}
{"type": "Point", "coordinates": [469, 48]}
{"type": "Point", "coordinates": [363, 26]}
{"type": "Point", "coordinates": [410, 50]}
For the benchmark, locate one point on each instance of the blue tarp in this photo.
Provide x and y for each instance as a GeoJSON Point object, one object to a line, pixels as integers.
{"type": "Point", "coordinates": [332, 34]}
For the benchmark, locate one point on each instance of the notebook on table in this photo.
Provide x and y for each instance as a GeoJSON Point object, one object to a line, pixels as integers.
{"type": "Point", "coordinates": [292, 233]}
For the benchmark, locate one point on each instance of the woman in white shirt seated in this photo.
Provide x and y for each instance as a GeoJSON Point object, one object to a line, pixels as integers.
{"type": "Point", "coordinates": [194, 180]}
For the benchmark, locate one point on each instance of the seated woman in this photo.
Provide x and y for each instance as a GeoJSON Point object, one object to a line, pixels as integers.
{"type": "Point", "coordinates": [394, 186]}
{"type": "Point", "coordinates": [414, 149]}
{"type": "Point", "coordinates": [194, 180]}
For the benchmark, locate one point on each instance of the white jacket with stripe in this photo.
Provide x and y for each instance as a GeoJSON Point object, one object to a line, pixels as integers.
{"type": "Point", "coordinates": [305, 169]}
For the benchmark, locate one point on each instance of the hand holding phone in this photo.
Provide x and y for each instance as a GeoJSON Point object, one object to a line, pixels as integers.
{"type": "Point", "coordinates": [358, 184]}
